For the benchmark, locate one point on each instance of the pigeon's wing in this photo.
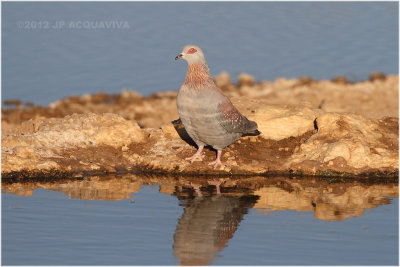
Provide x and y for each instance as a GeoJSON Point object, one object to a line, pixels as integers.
{"type": "Point", "coordinates": [231, 119]}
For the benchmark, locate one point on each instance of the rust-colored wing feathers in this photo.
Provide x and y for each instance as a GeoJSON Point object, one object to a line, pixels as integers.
{"type": "Point", "coordinates": [232, 120]}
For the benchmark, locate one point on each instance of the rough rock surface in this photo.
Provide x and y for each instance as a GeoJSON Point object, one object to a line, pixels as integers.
{"type": "Point", "coordinates": [307, 127]}
{"type": "Point", "coordinates": [41, 143]}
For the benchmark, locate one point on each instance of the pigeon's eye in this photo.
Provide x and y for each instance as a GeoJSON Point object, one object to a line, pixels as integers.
{"type": "Point", "coordinates": [191, 51]}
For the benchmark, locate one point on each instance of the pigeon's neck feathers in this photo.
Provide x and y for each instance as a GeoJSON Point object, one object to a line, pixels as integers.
{"type": "Point", "coordinates": [198, 77]}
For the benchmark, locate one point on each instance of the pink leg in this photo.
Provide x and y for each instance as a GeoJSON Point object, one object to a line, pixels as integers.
{"type": "Point", "coordinates": [217, 162]}
{"type": "Point", "coordinates": [197, 190]}
{"type": "Point", "coordinates": [196, 155]}
{"type": "Point", "coordinates": [217, 184]}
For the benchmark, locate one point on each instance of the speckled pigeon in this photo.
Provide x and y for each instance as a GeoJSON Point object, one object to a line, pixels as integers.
{"type": "Point", "coordinates": [208, 116]}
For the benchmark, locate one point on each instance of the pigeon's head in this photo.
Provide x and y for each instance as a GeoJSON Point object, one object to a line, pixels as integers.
{"type": "Point", "coordinates": [192, 54]}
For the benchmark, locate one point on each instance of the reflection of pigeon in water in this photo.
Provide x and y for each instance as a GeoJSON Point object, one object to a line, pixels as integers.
{"type": "Point", "coordinates": [208, 115]}
{"type": "Point", "coordinates": [206, 226]}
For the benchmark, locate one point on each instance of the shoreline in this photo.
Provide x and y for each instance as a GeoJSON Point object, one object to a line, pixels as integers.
{"type": "Point", "coordinates": [308, 128]}
{"type": "Point", "coordinates": [53, 175]}
{"type": "Point", "coordinates": [14, 103]}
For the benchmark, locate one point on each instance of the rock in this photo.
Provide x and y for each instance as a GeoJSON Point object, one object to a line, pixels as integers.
{"type": "Point", "coordinates": [340, 80]}
{"type": "Point", "coordinates": [47, 165]}
{"type": "Point", "coordinates": [307, 127]}
{"type": "Point", "coordinates": [116, 132]}
{"type": "Point", "coordinates": [245, 79]}
{"type": "Point", "coordinates": [377, 76]}
{"type": "Point", "coordinates": [362, 144]}
{"type": "Point", "coordinates": [24, 152]}
{"type": "Point", "coordinates": [222, 80]}
{"type": "Point", "coordinates": [370, 99]}
{"type": "Point", "coordinates": [277, 122]}
{"type": "Point", "coordinates": [304, 81]}
{"type": "Point", "coordinates": [169, 131]}
{"type": "Point", "coordinates": [49, 138]}
{"type": "Point", "coordinates": [130, 94]}
{"type": "Point", "coordinates": [12, 102]}
{"type": "Point", "coordinates": [89, 129]}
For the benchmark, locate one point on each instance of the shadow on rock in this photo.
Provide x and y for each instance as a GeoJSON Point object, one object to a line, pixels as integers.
{"type": "Point", "coordinates": [180, 129]}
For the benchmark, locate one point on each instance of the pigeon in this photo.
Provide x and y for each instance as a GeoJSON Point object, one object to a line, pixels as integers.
{"type": "Point", "coordinates": [209, 117]}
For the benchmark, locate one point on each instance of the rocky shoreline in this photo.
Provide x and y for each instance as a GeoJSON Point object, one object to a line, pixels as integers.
{"type": "Point", "coordinates": [329, 199]}
{"type": "Point", "coordinates": [309, 128]}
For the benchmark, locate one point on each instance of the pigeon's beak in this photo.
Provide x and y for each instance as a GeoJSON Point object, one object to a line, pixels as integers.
{"type": "Point", "coordinates": [178, 56]}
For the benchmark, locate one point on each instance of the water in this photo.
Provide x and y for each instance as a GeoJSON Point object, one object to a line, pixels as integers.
{"type": "Point", "coordinates": [267, 40]}
{"type": "Point", "coordinates": [135, 220]}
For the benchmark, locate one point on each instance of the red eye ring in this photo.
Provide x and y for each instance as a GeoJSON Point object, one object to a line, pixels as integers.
{"type": "Point", "coordinates": [191, 51]}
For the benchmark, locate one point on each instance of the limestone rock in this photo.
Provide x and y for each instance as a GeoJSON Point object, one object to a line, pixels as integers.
{"type": "Point", "coordinates": [277, 122]}
{"type": "Point", "coordinates": [45, 139]}
{"type": "Point", "coordinates": [222, 80]}
{"type": "Point", "coordinates": [307, 126]}
{"type": "Point", "coordinates": [362, 143]}
{"type": "Point", "coordinates": [245, 79]}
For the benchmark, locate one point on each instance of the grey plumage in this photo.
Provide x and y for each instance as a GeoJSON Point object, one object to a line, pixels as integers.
{"type": "Point", "coordinates": [210, 118]}
{"type": "Point", "coordinates": [207, 114]}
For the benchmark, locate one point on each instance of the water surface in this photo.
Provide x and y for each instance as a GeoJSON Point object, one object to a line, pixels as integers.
{"type": "Point", "coordinates": [265, 39]}
{"type": "Point", "coordinates": [135, 220]}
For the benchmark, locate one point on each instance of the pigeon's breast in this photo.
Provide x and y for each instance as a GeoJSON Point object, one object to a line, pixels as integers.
{"type": "Point", "coordinates": [200, 115]}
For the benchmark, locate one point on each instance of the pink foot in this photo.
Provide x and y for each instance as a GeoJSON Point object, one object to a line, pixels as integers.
{"type": "Point", "coordinates": [197, 189]}
{"type": "Point", "coordinates": [217, 184]}
{"type": "Point", "coordinates": [196, 155]}
{"type": "Point", "coordinates": [217, 162]}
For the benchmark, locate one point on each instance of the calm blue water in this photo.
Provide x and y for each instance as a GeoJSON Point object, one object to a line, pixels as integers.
{"type": "Point", "coordinates": [152, 227]}
{"type": "Point", "coordinates": [42, 64]}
